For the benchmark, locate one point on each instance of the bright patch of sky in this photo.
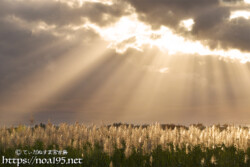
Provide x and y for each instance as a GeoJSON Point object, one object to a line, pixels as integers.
{"type": "Point", "coordinates": [129, 32]}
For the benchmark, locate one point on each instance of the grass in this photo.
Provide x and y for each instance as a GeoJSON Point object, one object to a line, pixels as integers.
{"type": "Point", "coordinates": [127, 152]}
{"type": "Point", "coordinates": [172, 157]}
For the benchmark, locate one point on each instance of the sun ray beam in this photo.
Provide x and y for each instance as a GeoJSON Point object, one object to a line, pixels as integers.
{"type": "Point", "coordinates": [41, 86]}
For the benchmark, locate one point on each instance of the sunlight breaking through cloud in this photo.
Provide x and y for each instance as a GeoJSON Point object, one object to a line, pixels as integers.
{"type": "Point", "coordinates": [129, 32]}
{"type": "Point", "coordinates": [241, 13]}
{"type": "Point", "coordinates": [247, 1]}
{"type": "Point", "coordinates": [188, 24]}
{"type": "Point", "coordinates": [125, 60]}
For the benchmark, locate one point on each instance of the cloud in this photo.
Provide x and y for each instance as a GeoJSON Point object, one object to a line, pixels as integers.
{"type": "Point", "coordinates": [233, 34]}
{"type": "Point", "coordinates": [170, 12]}
{"type": "Point", "coordinates": [211, 20]}
{"type": "Point", "coordinates": [58, 13]}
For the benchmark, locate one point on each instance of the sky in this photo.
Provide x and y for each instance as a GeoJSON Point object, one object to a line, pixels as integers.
{"type": "Point", "coordinates": [133, 61]}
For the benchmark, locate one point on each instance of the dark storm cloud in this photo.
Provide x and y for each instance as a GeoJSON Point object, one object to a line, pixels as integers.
{"type": "Point", "coordinates": [236, 35]}
{"type": "Point", "coordinates": [232, 1]}
{"type": "Point", "coordinates": [170, 12]}
{"type": "Point", "coordinates": [57, 13]}
{"type": "Point", "coordinates": [226, 35]}
{"type": "Point", "coordinates": [211, 20]}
